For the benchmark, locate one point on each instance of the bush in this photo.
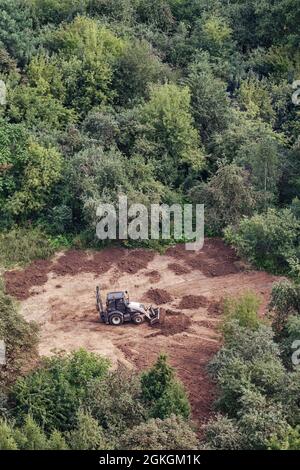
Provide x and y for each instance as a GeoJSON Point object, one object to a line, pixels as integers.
{"type": "Point", "coordinates": [87, 435]}
{"type": "Point", "coordinates": [172, 433]}
{"type": "Point", "coordinates": [227, 197]}
{"type": "Point", "coordinates": [53, 393]}
{"type": "Point", "coordinates": [244, 310]}
{"type": "Point", "coordinates": [116, 401]}
{"type": "Point", "coordinates": [268, 240]}
{"type": "Point", "coordinates": [249, 360]}
{"type": "Point", "coordinates": [285, 301]}
{"type": "Point", "coordinates": [29, 437]}
{"type": "Point", "coordinates": [20, 339]}
{"type": "Point", "coordinates": [162, 392]}
{"type": "Point", "coordinates": [222, 433]}
{"type": "Point", "coordinates": [22, 245]}
{"type": "Point", "coordinates": [291, 440]}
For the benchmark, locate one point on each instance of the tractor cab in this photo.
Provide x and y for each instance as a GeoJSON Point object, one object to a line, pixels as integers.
{"type": "Point", "coordinates": [117, 301]}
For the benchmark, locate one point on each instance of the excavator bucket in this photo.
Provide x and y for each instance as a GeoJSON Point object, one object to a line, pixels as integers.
{"type": "Point", "coordinates": [152, 315]}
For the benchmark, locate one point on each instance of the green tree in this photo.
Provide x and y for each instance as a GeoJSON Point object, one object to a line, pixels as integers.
{"type": "Point", "coordinates": [243, 309]}
{"type": "Point", "coordinates": [116, 402]}
{"type": "Point", "coordinates": [28, 172]}
{"type": "Point", "coordinates": [162, 392]}
{"type": "Point", "coordinates": [52, 393]}
{"type": "Point", "coordinates": [30, 436]}
{"type": "Point", "coordinates": [227, 197]}
{"type": "Point", "coordinates": [7, 440]}
{"type": "Point", "coordinates": [268, 240]}
{"type": "Point", "coordinates": [87, 435]}
{"type": "Point", "coordinates": [209, 100]}
{"type": "Point", "coordinates": [20, 339]}
{"type": "Point", "coordinates": [172, 433]}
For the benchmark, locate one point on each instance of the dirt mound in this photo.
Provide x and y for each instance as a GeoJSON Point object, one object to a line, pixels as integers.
{"type": "Point", "coordinates": [178, 268]}
{"type": "Point", "coordinates": [193, 301]}
{"type": "Point", "coordinates": [19, 282]}
{"type": "Point", "coordinates": [158, 296]}
{"type": "Point", "coordinates": [171, 323]}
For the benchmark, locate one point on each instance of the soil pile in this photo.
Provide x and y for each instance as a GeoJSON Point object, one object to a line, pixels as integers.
{"type": "Point", "coordinates": [158, 296]}
{"type": "Point", "coordinates": [193, 301]}
{"type": "Point", "coordinates": [19, 282]}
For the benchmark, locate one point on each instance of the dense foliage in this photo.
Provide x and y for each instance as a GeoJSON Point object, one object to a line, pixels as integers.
{"type": "Point", "coordinates": [165, 101]}
{"type": "Point", "coordinates": [258, 404]}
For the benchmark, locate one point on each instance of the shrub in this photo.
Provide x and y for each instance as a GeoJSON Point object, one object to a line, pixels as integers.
{"type": "Point", "coordinates": [244, 310]}
{"type": "Point", "coordinates": [259, 419]}
{"type": "Point", "coordinates": [222, 433]}
{"type": "Point", "coordinates": [268, 240]}
{"type": "Point", "coordinates": [162, 392]}
{"type": "Point", "coordinates": [116, 401]}
{"type": "Point", "coordinates": [29, 437]}
{"type": "Point", "coordinates": [227, 197]}
{"type": "Point", "coordinates": [22, 245]}
{"type": "Point", "coordinates": [87, 435]}
{"type": "Point", "coordinates": [285, 301]}
{"type": "Point", "coordinates": [20, 339]}
{"type": "Point", "coordinates": [7, 441]}
{"type": "Point", "coordinates": [290, 441]}
{"type": "Point", "coordinates": [172, 433]}
{"type": "Point", "coordinates": [249, 360]}
{"type": "Point", "coordinates": [52, 393]}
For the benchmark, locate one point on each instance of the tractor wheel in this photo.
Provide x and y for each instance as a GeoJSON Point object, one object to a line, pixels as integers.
{"type": "Point", "coordinates": [116, 319]}
{"type": "Point", "coordinates": [137, 319]}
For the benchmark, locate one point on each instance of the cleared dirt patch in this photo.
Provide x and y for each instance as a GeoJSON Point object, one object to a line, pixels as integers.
{"type": "Point", "coordinates": [60, 296]}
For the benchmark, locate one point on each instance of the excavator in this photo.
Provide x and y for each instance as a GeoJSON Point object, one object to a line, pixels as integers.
{"type": "Point", "coordinates": [119, 309]}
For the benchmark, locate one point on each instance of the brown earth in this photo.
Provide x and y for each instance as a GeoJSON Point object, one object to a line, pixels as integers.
{"type": "Point", "coordinates": [60, 296]}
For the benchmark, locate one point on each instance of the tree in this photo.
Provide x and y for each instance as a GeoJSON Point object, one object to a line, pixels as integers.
{"type": "Point", "coordinates": [172, 433]}
{"type": "Point", "coordinates": [28, 172]}
{"type": "Point", "coordinates": [162, 393]}
{"type": "Point", "coordinates": [290, 441]}
{"type": "Point", "coordinates": [7, 441]}
{"type": "Point", "coordinates": [20, 339]}
{"type": "Point", "coordinates": [30, 436]}
{"type": "Point", "coordinates": [244, 310]}
{"type": "Point", "coordinates": [227, 196]}
{"type": "Point", "coordinates": [268, 240]}
{"type": "Point", "coordinates": [285, 302]}
{"type": "Point", "coordinates": [16, 29]}
{"type": "Point", "coordinates": [222, 433]}
{"type": "Point", "coordinates": [52, 393]}
{"type": "Point", "coordinates": [209, 101]}
{"type": "Point", "coordinates": [136, 69]}
{"type": "Point", "coordinates": [116, 402]}
{"type": "Point", "coordinates": [87, 435]}
{"type": "Point", "coordinates": [87, 53]}
{"type": "Point", "coordinates": [169, 137]}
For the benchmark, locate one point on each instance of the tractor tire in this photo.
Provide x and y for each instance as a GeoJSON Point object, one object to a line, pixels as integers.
{"type": "Point", "coordinates": [116, 319]}
{"type": "Point", "coordinates": [137, 319]}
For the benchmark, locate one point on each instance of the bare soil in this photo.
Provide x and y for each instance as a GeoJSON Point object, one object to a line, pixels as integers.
{"type": "Point", "coordinates": [60, 295]}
